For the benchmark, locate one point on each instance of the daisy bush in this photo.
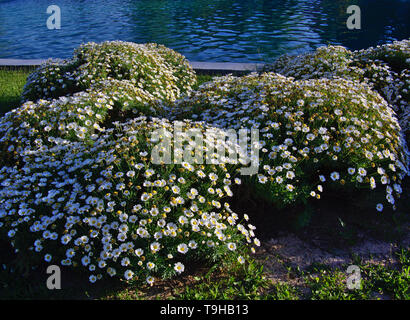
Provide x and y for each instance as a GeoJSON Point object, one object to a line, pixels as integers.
{"type": "Point", "coordinates": [108, 210]}
{"type": "Point", "coordinates": [313, 134]}
{"type": "Point", "coordinates": [325, 62]}
{"type": "Point", "coordinates": [81, 184]}
{"type": "Point", "coordinates": [80, 189]}
{"type": "Point", "coordinates": [77, 117]}
{"type": "Point", "coordinates": [385, 68]}
{"type": "Point", "coordinates": [388, 68]}
{"type": "Point", "coordinates": [396, 54]}
{"type": "Point", "coordinates": [160, 71]}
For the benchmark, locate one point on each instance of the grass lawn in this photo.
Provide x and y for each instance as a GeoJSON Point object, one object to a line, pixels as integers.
{"type": "Point", "coordinates": [11, 85]}
{"type": "Point", "coordinates": [249, 281]}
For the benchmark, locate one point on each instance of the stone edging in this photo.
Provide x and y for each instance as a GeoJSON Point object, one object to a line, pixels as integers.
{"type": "Point", "coordinates": [21, 62]}
{"type": "Point", "coordinates": [200, 67]}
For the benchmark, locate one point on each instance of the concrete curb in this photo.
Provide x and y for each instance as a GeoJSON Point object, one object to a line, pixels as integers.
{"type": "Point", "coordinates": [226, 67]}
{"type": "Point", "coordinates": [21, 62]}
{"type": "Point", "coordinates": [200, 67]}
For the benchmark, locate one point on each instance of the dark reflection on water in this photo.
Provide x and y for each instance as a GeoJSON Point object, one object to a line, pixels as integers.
{"type": "Point", "coordinates": [213, 30]}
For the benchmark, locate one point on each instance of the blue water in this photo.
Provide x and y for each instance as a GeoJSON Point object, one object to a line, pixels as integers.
{"type": "Point", "coordinates": [202, 30]}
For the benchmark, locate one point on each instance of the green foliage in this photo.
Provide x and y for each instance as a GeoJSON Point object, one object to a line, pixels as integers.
{"type": "Point", "coordinates": [283, 291]}
{"type": "Point", "coordinates": [332, 286]}
{"type": "Point", "coordinates": [377, 281]}
{"type": "Point", "coordinates": [237, 282]}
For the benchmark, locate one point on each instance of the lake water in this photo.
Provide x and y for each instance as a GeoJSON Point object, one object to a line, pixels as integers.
{"type": "Point", "coordinates": [202, 30]}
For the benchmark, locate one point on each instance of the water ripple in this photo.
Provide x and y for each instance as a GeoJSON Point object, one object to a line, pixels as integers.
{"type": "Point", "coordinates": [213, 30]}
